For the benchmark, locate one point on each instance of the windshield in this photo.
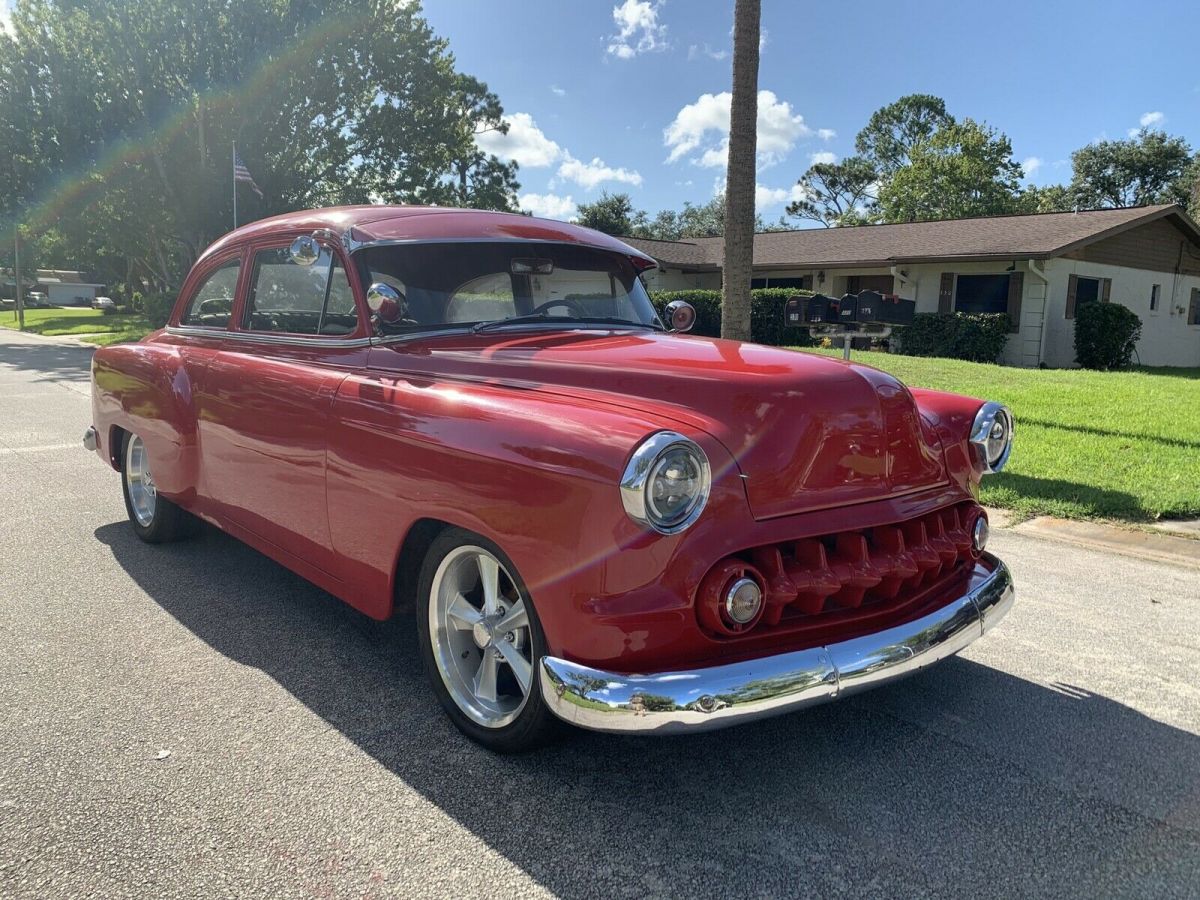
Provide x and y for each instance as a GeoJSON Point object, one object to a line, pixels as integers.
{"type": "Point", "coordinates": [531, 284]}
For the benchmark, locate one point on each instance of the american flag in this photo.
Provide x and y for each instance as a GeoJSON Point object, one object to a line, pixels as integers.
{"type": "Point", "coordinates": [241, 173]}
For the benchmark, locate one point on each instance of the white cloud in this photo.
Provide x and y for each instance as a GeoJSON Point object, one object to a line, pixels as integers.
{"type": "Point", "coordinates": [638, 29]}
{"type": "Point", "coordinates": [823, 156]}
{"type": "Point", "coordinates": [590, 175]}
{"type": "Point", "coordinates": [548, 206]}
{"type": "Point", "coordinates": [767, 197]}
{"type": "Point", "coordinates": [1148, 120]}
{"type": "Point", "coordinates": [826, 134]}
{"type": "Point", "coordinates": [524, 142]}
{"type": "Point", "coordinates": [1031, 165]}
{"type": "Point", "coordinates": [762, 39]}
{"type": "Point", "coordinates": [557, 91]}
{"type": "Point", "coordinates": [704, 126]}
{"type": "Point", "coordinates": [695, 51]}
{"type": "Point", "coordinates": [6, 18]}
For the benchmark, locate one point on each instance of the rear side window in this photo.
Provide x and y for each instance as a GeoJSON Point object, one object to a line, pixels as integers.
{"type": "Point", "coordinates": [294, 299]}
{"type": "Point", "coordinates": [212, 304]}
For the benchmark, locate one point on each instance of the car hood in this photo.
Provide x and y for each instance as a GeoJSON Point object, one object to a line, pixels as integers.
{"type": "Point", "coordinates": [806, 432]}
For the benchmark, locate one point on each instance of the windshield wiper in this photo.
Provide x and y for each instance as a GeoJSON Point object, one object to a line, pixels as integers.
{"type": "Point", "coordinates": [497, 324]}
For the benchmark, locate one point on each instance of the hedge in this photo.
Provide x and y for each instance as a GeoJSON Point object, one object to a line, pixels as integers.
{"type": "Point", "coordinates": [978, 337]}
{"type": "Point", "coordinates": [1106, 335]}
{"type": "Point", "coordinates": [766, 314]}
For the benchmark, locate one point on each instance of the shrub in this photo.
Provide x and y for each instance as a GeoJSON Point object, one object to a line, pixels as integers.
{"type": "Point", "coordinates": [1106, 335]}
{"type": "Point", "coordinates": [157, 306]}
{"type": "Point", "coordinates": [766, 314]}
{"type": "Point", "coordinates": [978, 337]}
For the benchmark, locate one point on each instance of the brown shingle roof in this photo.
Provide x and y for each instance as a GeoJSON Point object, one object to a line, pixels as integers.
{"type": "Point", "coordinates": [997, 237]}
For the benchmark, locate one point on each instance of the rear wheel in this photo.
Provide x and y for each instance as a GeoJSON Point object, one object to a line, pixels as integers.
{"type": "Point", "coordinates": [154, 518]}
{"type": "Point", "coordinates": [481, 643]}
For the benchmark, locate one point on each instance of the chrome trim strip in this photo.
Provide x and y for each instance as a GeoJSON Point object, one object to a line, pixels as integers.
{"type": "Point", "coordinates": [719, 696]}
{"type": "Point", "coordinates": [266, 337]}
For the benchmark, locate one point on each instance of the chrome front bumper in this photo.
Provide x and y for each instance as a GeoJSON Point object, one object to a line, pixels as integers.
{"type": "Point", "coordinates": [705, 699]}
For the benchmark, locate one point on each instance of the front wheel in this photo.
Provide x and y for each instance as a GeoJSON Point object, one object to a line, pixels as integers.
{"type": "Point", "coordinates": [155, 519]}
{"type": "Point", "coordinates": [481, 642]}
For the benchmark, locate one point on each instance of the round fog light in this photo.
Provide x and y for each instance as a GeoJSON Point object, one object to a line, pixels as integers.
{"type": "Point", "coordinates": [979, 534]}
{"type": "Point", "coordinates": [743, 600]}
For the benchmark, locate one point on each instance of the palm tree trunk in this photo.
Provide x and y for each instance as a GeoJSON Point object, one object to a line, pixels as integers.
{"type": "Point", "coordinates": [739, 183]}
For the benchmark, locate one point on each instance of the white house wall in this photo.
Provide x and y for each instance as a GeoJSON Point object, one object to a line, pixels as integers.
{"type": "Point", "coordinates": [1167, 339]}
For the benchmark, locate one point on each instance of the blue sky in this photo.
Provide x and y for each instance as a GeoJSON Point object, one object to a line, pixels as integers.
{"type": "Point", "coordinates": [626, 96]}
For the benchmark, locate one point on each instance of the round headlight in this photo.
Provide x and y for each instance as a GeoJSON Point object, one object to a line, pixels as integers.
{"type": "Point", "coordinates": [992, 436]}
{"type": "Point", "coordinates": [666, 483]}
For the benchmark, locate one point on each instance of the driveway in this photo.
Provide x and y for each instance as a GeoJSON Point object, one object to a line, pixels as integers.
{"type": "Point", "coordinates": [193, 720]}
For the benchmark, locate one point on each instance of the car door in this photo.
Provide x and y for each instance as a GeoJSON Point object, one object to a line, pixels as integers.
{"type": "Point", "coordinates": [297, 333]}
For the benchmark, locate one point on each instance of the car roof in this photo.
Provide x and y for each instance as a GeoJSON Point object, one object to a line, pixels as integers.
{"type": "Point", "coordinates": [368, 224]}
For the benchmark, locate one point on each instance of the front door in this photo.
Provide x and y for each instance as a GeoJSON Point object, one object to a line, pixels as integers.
{"type": "Point", "coordinates": [268, 393]}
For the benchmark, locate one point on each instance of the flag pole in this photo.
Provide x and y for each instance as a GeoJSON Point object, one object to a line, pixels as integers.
{"type": "Point", "coordinates": [234, 163]}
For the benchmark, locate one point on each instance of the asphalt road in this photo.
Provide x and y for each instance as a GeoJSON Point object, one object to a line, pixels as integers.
{"type": "Point", "coordinates": [193, 720]}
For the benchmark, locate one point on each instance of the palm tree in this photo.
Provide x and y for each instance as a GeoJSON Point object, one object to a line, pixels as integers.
{"type": "Point", "coordinates": [739, 184]}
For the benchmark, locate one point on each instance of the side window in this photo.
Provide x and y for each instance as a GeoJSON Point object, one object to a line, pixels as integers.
{"type": "Point", "coordinates": [212, 304]}
{"type": "Point", "coordinates": [286, 297]}
{"type": "Point", "coordinates": [483, 299]}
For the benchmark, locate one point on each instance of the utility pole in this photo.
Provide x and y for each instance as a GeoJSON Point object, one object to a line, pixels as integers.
{"type": "Point", "coordinates": [20, 292]}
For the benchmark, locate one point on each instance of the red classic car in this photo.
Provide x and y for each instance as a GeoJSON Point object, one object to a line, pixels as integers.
{"type": "Point", "coordinates": [598, 519]}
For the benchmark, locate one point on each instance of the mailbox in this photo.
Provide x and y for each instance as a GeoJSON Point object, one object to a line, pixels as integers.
{"type": "Point", "coordinates": [872, 307]}
{"type": "Point", "coordinates": [822, 310]}
{"type": "Point", "coordinates": [793, 312]}
{"type": "Point", "coordinates": [893, 310]}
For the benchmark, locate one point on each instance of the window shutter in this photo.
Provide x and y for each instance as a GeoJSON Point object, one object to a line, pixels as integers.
{"type": "Point", "coordinates": [1105, 289]}
{"type": "Point", "coordinates": [1016, 287]}
{"type": "Point", "coordinates": [946, 294]}
{"type": "Point", "coordinates": [1072, 290]}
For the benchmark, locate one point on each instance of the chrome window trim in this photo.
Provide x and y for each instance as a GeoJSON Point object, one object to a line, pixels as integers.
{"type": "Point", "coordinates": [637, 471]}
{"type": "Point", "coordinates": [265, 337]}
{"type": "Point", "coordinates": [982, 427]}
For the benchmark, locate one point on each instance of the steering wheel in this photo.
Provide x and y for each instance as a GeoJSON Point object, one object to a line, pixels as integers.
{"type": "Point", "coordinates": [573, 306]}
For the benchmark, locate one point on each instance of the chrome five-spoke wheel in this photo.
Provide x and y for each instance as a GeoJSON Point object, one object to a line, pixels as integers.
{"type": "Point", "coordinates": [139, 482]}
{"type": "Point", "coordinates": [480, 630]}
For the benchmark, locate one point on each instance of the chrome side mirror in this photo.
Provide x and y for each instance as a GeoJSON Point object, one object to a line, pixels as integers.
{"type": "Point", "coordinates": [385, 302]}
{"type": "Point", "coordinates": [681, 316]}
{"type": "Point", "coordinates": [304, 250]}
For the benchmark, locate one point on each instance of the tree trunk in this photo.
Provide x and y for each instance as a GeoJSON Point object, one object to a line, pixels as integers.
{"type": "Point", "coordinates": [739, 183]}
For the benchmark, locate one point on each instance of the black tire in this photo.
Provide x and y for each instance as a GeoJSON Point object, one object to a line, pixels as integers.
{"type": "Point", "coordinates": [168, 522]}
{"type": "Point", "coordinates": [534, 725]}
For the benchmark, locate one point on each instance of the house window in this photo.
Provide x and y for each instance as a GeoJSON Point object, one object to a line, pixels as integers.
{"type": "Point", "coordinates": [1154, 290]}
{"type": "Point", "coordinates": [981, 294]}
{"type": "Point", "coordinates": [1194, 308]}
{"type": "Point", "coordinates": [756, 283]}
{"type": "Point", "coordinates": [1087, 291]}
{"type": "Point", "coordinates": [798, 284]}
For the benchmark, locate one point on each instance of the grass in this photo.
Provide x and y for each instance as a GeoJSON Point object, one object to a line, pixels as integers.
{"type": "Point", "coordinates": [1089, 445]}
{"type": "Point", "coordinates": [53, 322]}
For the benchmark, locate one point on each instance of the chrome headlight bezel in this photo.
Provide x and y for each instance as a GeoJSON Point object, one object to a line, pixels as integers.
{"type": "Point", "coordinates": [981, 429]}
{"type": "Point", "coordinates": [635, 481]}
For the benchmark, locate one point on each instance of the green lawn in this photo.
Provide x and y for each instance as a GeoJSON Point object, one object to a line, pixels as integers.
{"type": "Point", "coordinates": [1109, 445]}
{"type": "Point", "coordinates": [78, 321]}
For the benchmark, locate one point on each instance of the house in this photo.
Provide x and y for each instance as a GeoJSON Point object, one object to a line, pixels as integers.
{"type": "Point", "coordinates": [1038, 268]}
{"type": "Point", "coordinates": [61, 286]}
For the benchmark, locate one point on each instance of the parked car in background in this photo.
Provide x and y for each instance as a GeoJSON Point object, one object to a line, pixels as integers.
{"type": "Point", "coordinates": [104, 304]}
{"type": "Point", "coordinates": [597, 518]}
{"type": "Point", "coordinates": [37, 300]}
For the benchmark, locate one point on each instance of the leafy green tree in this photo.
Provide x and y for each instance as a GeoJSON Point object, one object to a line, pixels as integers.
{"type": "Point", "coordinates": [1148, 168]}
{"type": "Point", "coordinates": [117, 119]}
{"type": "Point", "coordinates": [893, 131]}
{"type": "Point", "coordinates": [1047, 198]}
{"type": "Point", "coordinates": [613, 214]}
{"type": "Point", "coordinates": [964, 169]}
{"type": "Point", "coordinates": [839, 193]}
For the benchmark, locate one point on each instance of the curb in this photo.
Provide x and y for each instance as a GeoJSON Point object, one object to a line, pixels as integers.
{"type": "Point", "coordinates": [1166, 548]}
